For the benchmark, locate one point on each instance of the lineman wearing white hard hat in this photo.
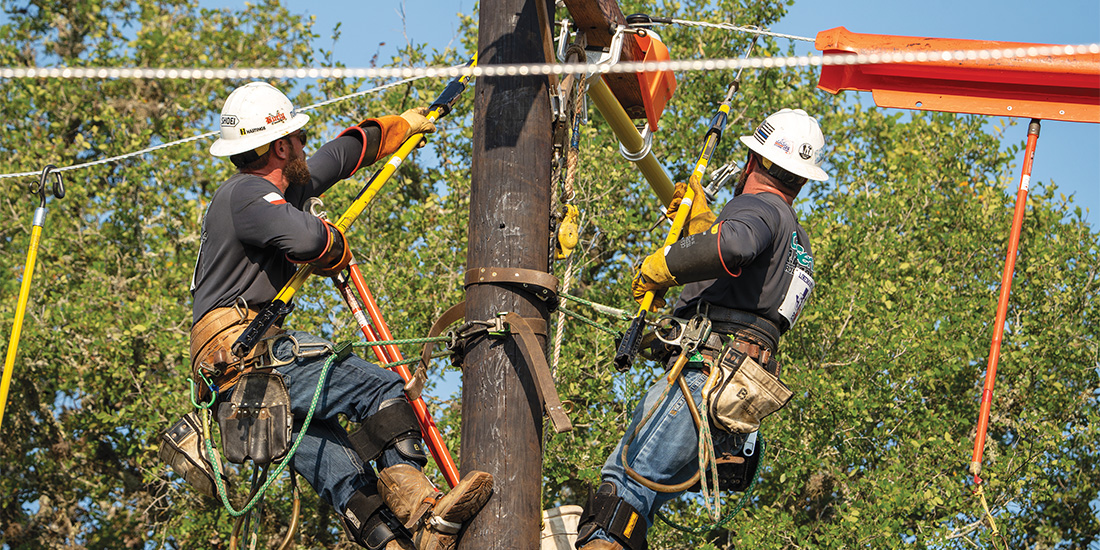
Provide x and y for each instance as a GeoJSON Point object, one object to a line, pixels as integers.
{"type": "Point", "coordinates": [254, 231]}
{"type": "Point", "coordinates": [747, 273]}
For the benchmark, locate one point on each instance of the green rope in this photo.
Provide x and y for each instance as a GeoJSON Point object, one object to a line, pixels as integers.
{"type": "Point", "coordinates": [725, 520]}
{"type": "Point", "coordinates": [706, 457]}
{"type": "Point", "coordinates": [588, 321]}
{"type": "Point", "coordinates": [282, 465]}
{"type": "Point", "coordinates": [416, 359]}
{"type": "Point", "coordinates": [606, 310]}
{"type": "Point", "coordinates": [305, 424]}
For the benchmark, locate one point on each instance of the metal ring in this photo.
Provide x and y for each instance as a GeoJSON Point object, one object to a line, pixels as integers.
{"type": "Point", "coordinates": [647, 144]}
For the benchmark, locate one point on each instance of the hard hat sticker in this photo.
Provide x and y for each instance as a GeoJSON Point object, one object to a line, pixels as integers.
{"type": "Point", "coordinates": [805, 151]}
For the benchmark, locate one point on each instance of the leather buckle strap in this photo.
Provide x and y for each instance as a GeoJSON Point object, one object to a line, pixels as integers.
{"type": "Point", "coordinates": [542, 285]}
{"type": "Point", "coordinates": [540, 372]}
{"type": "Point", "coordinates": [526, 331]}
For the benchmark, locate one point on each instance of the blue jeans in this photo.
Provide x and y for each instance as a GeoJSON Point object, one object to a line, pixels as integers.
{"type": "Point", "coordinates": [666, 449]}
{"type": "Point", "coordinates": [353, 387]}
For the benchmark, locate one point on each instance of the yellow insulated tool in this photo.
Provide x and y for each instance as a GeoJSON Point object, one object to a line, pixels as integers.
{"type": "Point", "coordinates": [28, 272]}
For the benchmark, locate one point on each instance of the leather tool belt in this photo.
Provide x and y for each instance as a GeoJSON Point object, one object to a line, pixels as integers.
{"type": "Point", "coordinates": [752, 335]}
{"type": "Point", "coordinates": [211, 340]}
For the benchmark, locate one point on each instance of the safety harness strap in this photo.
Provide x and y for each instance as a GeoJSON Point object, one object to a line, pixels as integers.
{"type": "Point", "coordinates": [391, 425]}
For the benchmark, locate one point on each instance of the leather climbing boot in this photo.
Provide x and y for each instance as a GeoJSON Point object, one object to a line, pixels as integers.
{"type": "Point", "coordinates": [434, 518]}
{"type": "Point", "coordinates": [602, 545]}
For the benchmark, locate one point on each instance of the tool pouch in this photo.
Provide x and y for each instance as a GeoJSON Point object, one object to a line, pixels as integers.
{"type": "Point", "coordinates": [737, 468]}
{"type": "Point", "coordinates": [745, 394]}
{"type": "Point", "coordinates": [181, 448]}
{"type": "Point", "coordinates": [256, 420]}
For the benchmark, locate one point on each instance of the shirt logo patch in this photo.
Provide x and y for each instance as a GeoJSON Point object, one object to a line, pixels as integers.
{"type": "Point", "coordinates": [274, 198]}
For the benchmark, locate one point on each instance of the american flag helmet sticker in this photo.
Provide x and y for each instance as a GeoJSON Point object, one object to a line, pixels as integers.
{"type": "Point", "coordinates": [763, 131]}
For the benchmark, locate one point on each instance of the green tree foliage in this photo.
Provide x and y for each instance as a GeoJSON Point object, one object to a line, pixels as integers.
{"type": "Point", "coordinates": [887, 364]}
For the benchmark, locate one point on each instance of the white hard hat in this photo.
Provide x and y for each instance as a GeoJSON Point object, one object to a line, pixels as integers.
{"type": "Point", "coordinates": [254, 115]}
{"type": "Point", "coordinates": [791, 139]}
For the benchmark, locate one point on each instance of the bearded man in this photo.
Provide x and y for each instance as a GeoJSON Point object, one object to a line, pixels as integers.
{"type": "Point", "coordinates": [254, 232]}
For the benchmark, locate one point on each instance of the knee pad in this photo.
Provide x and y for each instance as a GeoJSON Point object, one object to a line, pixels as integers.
{"type": "Point", "coordinates": [608, 511]}
{"type": "Point", "coordinates": [370, 524]}
{"type": "Point", "coordinates": [394, 425]}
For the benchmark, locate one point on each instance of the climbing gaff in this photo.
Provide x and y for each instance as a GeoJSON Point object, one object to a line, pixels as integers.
{"type": "Point", "coordinates": [279, 305]}
{"type": "Point", "coordinates": [58, 189]}
{"type": "Point", "coordinates": [389, 353]}
{"type": "Point", "coordinates": [1002, 302]}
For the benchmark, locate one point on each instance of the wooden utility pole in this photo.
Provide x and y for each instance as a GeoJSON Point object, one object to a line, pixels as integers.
{"type": "Point", "coordinates": [509, 227]}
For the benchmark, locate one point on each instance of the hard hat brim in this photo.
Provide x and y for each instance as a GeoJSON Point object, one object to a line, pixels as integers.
{"type": "Point", "coordinates": [227, 148]}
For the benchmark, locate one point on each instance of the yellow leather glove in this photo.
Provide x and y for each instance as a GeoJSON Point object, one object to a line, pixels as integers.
{"type": "Point", "coordinates": [418, 122]}
{"type": "Point", "coordinates": [653, 275]}
{"type": "Point", "coordinates": [700, 218]}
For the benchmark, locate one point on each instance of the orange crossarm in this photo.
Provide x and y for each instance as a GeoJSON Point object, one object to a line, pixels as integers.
{"type": "Point", "coordinates": [1049, 87]}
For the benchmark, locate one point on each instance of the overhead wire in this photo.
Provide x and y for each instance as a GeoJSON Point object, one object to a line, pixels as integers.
{"type": "Point", "coordinates": [731, 27]}
{"type": "Point", "coordinates": [410, 74]}
{"type": "Point", "coordinates": [210, 134]}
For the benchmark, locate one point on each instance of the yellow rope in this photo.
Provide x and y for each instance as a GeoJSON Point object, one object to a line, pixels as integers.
{"type": "Point", "coordinates": [989, 518]}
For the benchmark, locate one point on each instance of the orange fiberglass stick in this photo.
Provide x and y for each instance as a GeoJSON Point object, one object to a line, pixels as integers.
{"type": "Point", "coordinates": [1002, 302]}
{"type": "Point", "coordinates": [389, 353]}
{"type": "Point", "coordinates": [1054, 87]}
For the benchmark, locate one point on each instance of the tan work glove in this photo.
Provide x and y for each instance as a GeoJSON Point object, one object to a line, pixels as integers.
{"type": "Point", "coordinates": [653, 275]}
{"type": "Point", "coordinates": [398, 128]}
{"type": "Point", "coordinates": [700, 218]}
{"type": "Point", "coordinates": [418, 122]}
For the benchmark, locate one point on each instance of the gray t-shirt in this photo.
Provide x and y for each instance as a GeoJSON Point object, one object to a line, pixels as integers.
{"type": "Point", "coordinates": [764, 264]}
{"type": "Point", "coordinates": [249, 228]}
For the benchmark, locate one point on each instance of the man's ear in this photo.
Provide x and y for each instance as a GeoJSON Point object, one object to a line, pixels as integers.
{"type": "Point", "coordinates": [280, 149]}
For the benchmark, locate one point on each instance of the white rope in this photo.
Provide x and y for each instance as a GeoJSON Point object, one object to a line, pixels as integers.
{"type": "Point", "coordinates": [206, 135]}
{"type": "Point", "coordinates": [539, 69]}
{"type": "Point", "coordinates": [730, 27]}
{"type": "Point", "coordinates": [410, 74]}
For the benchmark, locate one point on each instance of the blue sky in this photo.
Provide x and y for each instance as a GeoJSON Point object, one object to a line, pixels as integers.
{"type": "Point", "coordinates": [1067, 153]}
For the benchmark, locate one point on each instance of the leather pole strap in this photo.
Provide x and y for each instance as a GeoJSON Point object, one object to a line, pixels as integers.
{"type": "Point", "coordinates": [420, 377]}
{"type": "Point", "coordinates": [527, 331]}
{"type": "Point", "coordinates": [543, 286]}
{"type": "Point", "coordinates": [540, 372]}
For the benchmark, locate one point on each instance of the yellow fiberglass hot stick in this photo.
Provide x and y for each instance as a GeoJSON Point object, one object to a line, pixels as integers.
{"type": "Point", "coordinates": [25, 287]}
{"type": "Point", "coordinates": [628, 347]}
{"type": "Point", "coordinates": [278, 306]}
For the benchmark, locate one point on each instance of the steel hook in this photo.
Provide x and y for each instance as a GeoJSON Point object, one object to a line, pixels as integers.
{"type": "Point", "coordinates": [58, 186]}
